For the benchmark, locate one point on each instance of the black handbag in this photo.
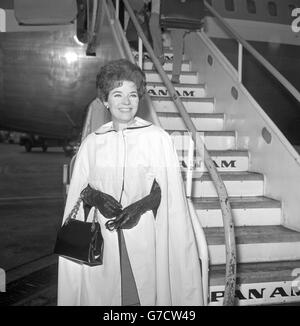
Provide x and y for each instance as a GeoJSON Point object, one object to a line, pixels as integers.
{"type": "Point", "coordinates": [80, 241]}
{"type": "Point", "coordinates": [184, 14]}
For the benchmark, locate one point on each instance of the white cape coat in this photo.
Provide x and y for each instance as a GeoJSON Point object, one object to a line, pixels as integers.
{"type": "Point", "coordinates": [162, 251]}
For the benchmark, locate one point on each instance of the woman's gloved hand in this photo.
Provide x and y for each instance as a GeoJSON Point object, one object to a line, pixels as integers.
{"type": "Point", "coordinates": [107, 205]}
{"type": "Point", "coordinates": [131, 214]}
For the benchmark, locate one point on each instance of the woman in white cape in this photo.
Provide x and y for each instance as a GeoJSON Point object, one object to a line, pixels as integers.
{"type": "Point", "coordinates": [153, 261]}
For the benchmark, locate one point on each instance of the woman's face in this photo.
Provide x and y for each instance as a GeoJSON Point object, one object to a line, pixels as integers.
{"type": "Point", "coordinates": [123, 102]}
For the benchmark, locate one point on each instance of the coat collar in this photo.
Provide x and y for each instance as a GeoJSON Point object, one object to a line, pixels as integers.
{"type": "Point", "coordinates": [136, 124]}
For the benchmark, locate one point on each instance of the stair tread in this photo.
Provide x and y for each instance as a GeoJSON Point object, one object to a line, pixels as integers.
{"type": "Point", "coordinates": [183, 99]}
{"type": "Point", "coordinates": [205, 132]}
{"type": "Point", "coordinates": [161, 84]}
{"type": "Point", "coordinates": [253, 235]}
{"type": "Point", "coordinates": [227, 176]}
{"type": "Point", "coordinates": [166, 48]}
{"type": "Point", "coordinates": [192, 115]}
{"type": "Point", "coordinates": [237, 202]}
{"type": "Point", "coordinates": [231, 152]}
{"type": "Point", "coordinates": [256, 272]}
{"type": "Point", "coordinates": [170, 72]}
{"type": "Point", "coordinates": [185, 61]}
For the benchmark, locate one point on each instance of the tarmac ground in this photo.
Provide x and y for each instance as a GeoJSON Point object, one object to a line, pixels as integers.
{"type": "Point", "coordinates": [31, 208]}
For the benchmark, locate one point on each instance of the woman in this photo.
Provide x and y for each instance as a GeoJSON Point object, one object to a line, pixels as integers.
{"type": "Point", "coordinates": [129, 170]}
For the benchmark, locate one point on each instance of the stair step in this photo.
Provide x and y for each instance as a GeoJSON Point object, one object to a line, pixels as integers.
{"type": "Point", "coordinates": [202, 121]}
{"type": "Point", "coordinates": [258, 283]}
{"type": "Point", "coordinates": [191, 104]}
{"type": "Point", "coordinates": [167, 48]}
{"type": "Point", "coordinates": [183, 90]}
{"type": "Point", "coordinates": [255, 244]}
{"type": "Point", "coordinates": [246, 211]}
{"type": "Point", "coordinates": [185, 76]}
{"type": "Point", "coordinates": [168, 55]}
{"type": "Point", "coordinates": [168, 65]}
{"type": "Point", "coordinates": [213, 140]}
{"type": "Point", "coordinates": [256, 272]}
{"type": "Point", "coordinates": [231, 160]}
{"type": "Point", "coordinates": [236, 183]}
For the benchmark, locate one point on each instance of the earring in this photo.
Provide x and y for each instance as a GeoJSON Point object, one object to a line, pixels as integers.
{"type": "Point", "coordinates": [107, 107]}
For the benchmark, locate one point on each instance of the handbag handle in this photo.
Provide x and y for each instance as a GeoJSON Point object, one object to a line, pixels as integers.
{"type": "Point", "coordinates": [74, 211]}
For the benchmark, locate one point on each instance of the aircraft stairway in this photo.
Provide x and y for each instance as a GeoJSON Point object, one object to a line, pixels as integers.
{"type": "Point", "coordinates": [268, 253]}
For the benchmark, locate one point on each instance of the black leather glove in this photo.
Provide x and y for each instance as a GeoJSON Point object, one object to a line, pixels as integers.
{"type": "Point", "coordinates": [131, 214]}
{"type": "Point", "coordinates": [108, 206]}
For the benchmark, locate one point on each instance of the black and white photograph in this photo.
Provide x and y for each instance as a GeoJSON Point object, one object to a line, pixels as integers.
{"type": "Point", "coordinates": [149, 156]}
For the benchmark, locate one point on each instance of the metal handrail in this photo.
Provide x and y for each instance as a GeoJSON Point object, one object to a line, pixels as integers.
{"type": "Point", "coordinates": [230, 281]}
{"type": "Point", "coordinates": [274, 72]}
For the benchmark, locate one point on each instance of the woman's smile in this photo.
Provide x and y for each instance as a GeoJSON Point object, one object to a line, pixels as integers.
{"type": "Point", "coordinates": [125, 109]}
{"type": "Point", "coordinates": [123, 103]}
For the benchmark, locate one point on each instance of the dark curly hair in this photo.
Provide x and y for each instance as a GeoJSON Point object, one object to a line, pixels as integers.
{"type": "Point", "coordinates": [112, 74]}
